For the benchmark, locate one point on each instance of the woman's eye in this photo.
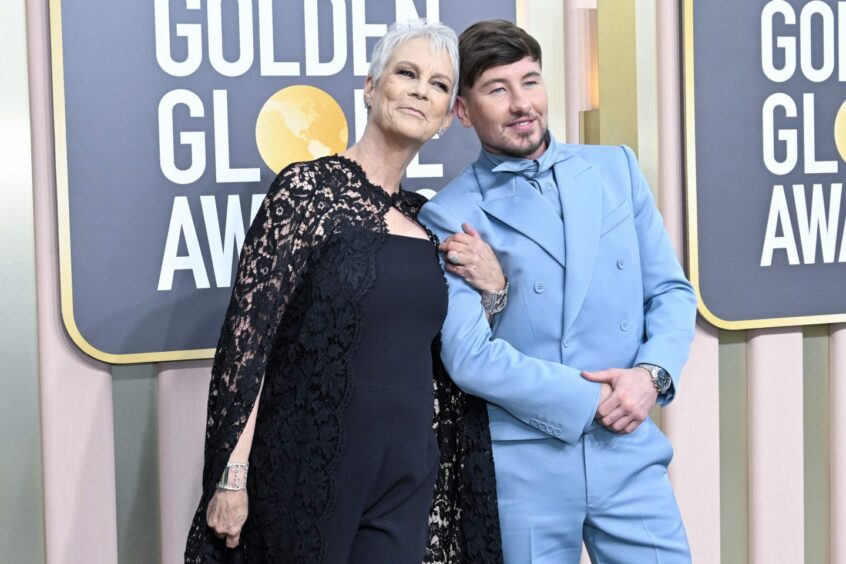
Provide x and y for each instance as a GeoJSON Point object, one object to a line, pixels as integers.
{"type": "Point", "coordinates": [406, 72]}
{"type": "Point", "coordinates": [443, 87]}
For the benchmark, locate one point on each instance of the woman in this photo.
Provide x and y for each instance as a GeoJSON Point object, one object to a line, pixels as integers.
{"type": "Point", "coordinates": [330, 330]}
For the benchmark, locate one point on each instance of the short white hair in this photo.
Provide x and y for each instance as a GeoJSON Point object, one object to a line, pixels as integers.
{"type": "Point", "coordinates": [440, 36]}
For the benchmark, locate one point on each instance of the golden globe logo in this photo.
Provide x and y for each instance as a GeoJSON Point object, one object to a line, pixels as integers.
{"type": "Point", "coordinates": [300, 123]}
{"type": "Point", "coordinates": [788, 40]}
{"type": "Point", "coordinates": [297, 123]}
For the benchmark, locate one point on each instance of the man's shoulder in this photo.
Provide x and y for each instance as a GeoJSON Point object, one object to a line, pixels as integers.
{"type": "Point", "coordinates": [460, 192]}
{"type": "Point", "coordinates": [602, 155]}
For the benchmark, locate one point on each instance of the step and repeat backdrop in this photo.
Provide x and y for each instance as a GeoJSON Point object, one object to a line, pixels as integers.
{"type": "Point", "coordinates": [765, 119]}
{"type": "Point", "coordinates": [171, 120]}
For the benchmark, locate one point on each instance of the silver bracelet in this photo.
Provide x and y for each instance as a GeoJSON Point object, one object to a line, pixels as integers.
{"type": "Point", "coordinates": [234, 477]}
{"type": "Point", "coordinates": [494, 302]}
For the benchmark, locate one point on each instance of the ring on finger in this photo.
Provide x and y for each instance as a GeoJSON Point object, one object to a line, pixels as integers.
{"type": "Point", "coordinates": [454, 258]}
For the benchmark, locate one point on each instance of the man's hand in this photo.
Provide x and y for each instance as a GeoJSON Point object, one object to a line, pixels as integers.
{"type": "Point", "coordinates": [632, 396]}
{"type": "Point", "coordinates": [474, 259]}
{"type": "Point", "coordinates": [226, 514]}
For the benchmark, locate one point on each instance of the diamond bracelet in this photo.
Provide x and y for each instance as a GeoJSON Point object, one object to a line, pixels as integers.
{"type": "Point", "coordinates": [234, 477]}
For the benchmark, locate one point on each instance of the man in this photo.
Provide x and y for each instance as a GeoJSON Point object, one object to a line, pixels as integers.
{"type": "Point", "coordinates": [597, 325]}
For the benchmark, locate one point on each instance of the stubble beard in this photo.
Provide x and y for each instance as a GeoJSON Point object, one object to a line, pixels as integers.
{"type": "Point", "coordinates": [521, 150]}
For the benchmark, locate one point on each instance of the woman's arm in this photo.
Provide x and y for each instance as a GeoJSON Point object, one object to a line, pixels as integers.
{"type": "Point", "coordinates": [228, 508]}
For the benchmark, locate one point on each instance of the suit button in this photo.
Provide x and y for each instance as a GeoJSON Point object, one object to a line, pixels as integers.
{"type": "Point", "coordinates": [621, 264]}
{"type": "Point", "coordinates": [539, 288]}
{"type": "Point", "coordinates": [566, 343]}
{"type": "Point", "coordinates": [624, 325]}
{"type": "Point", "coordinates": [542, 426]}
{"type": "Point", "coordinates": [533, 422]}
{"type": "Point", "coordinates": [557, 432]}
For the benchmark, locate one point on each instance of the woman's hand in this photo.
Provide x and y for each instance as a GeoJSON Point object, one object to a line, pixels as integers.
{"type": "Point", "coordinates": [226, 514]}
{"type": "Point", "coordinates": [468, 256]}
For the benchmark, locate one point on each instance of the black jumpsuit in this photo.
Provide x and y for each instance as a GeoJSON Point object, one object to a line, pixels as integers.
{"type": "Point", "coordinates": [336, 321]}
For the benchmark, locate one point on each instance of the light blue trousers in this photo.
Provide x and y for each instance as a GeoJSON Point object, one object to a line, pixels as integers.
{"type": "Point", "coordinates": [610, 491]}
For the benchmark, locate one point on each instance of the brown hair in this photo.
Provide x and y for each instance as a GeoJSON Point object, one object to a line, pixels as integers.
{"type": "Point", "coordinates": [492, 43]}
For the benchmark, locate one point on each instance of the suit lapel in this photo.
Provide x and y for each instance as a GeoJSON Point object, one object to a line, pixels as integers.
{"type": "Point", "coordinates": [527, 212]}
{"type": "Point", "coordinates": [581, 200]}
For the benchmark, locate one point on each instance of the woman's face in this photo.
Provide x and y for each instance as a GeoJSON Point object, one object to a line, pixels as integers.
{"type": "Point", "coordinates": [411, 100]}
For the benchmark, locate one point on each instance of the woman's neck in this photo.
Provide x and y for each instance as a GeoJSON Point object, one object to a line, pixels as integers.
{"type": "Point", "coordinates": [383, 160]}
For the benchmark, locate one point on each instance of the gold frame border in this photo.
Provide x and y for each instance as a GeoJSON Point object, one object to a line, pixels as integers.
{"type": "Point", "coordinates": [689, 100]}
{"type": "Point", "coordinates": [63, 209]}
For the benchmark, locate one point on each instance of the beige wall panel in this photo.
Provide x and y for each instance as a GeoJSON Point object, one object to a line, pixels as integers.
{"type": "Point", "coordinates": [76, 395]}
{"type": "Point", "coordinates": [545, 21]}
{"type": "Point", "coordinates": [22, 509]}
{"type": "Point", "coordinates": [837, 372]}
{"type": "Point", "coordinates": [692, 422]}
{"type": "Point", "coordinates": [580, 68]}
{"type": "Point", "coordinates": [182, 396]}
{"type": "Point", "coordinates": [776, 437]}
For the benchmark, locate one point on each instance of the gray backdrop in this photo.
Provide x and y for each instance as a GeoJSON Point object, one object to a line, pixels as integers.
{"type": "Point", "coordinates": [734, 188]}
{"type": "Point", "coordinates": [120, 202]}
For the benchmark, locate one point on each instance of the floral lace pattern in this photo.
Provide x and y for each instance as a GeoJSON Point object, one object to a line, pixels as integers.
{"type": "Point", "coordinates": [307, 261]}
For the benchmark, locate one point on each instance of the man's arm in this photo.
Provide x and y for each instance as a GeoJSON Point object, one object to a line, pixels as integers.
{"type": "Point", "coordinates": [669, 300]}
{"type": "Point", "coordinates": [669, 318]}
{"type": "Point", "coordinates": [528, 388]}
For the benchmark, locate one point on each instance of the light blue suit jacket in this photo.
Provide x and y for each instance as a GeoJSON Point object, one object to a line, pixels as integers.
{"type": "Point", "coordinates": [620, 299]}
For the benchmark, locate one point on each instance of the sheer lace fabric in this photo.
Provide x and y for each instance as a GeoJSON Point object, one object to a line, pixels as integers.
{"type": "Point", "coordinates": [292, 322]}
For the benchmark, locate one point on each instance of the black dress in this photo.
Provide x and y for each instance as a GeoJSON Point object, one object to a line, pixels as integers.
{"type": "Point", "coordinates": [340, 319]}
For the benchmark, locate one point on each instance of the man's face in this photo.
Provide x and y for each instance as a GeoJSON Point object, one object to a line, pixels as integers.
{"type": "Point", "coordinates": [507, 106]}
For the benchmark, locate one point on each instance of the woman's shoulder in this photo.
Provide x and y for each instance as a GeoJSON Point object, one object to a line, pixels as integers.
{"type": "Point", "coordinates": [321, 178]}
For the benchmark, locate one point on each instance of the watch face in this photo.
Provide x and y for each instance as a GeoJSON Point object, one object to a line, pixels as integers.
{"type": "Point", "coordinates": [664, 380]}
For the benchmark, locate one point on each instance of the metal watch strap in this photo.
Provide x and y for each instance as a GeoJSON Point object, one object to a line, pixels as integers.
{"type": "Point", "coordinates": [494, 302]}
{"type": "Point", "coordinates": [660, 378]}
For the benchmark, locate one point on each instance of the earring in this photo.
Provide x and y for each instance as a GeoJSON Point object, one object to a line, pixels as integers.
{"type": "Point", "coordinates": [367, 103]}
{"type": "Point", "coordinates": [441, 131]}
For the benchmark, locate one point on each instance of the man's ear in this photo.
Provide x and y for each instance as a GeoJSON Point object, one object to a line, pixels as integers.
{"type": "Point", "coordinates": [462, 112]}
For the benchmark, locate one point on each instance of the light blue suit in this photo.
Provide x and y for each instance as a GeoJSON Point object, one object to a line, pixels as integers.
{"type": "Point", "coordinates": [619, 298]}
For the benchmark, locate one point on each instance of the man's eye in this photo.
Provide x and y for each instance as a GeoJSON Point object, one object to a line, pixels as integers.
{"type": "Point", "coordinates": [531, 84]}
{"type": "Point", "coordinates": [498, 90]}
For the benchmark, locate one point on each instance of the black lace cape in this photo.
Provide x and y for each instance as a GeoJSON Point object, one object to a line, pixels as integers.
{"type": "Point", "coordinates": [293, 316]}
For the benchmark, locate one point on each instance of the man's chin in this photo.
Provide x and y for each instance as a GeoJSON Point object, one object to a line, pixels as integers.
{"type": "Point", "coordinates": [526, 146]}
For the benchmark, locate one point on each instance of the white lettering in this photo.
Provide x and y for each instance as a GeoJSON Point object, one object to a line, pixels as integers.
{"type": "Point", "coordinates": [245, 36]}
{"type": "Point", "coordinates": [270, 66]}
{"type": "Point", "coordinates": [191, 32]}
{"type": "Point", "coordinates": [818, 226]}
{"type": "Point", "coordinates": [811, 9]}
{"type": "Point", "coordinates": [221, 248]}
{"type": "Point", "coordinates": [787, 136]}
{"type": "Point", "coordinates": [786, 44]}
{"type": "Point", "coordinates": [195, 139]}
{"type": "Point", "coordinates": [181, 223]}
{"type": "Point", "coordinates": [339, 39]}
{"type": "Point", "coordinates": [361, 31]}
{"type": "Point", "coordinates": [223, 172]}
{"type": "Point", "coordinates": [779, 218]}
{"type": "Point", "coordinates": [812, 165]}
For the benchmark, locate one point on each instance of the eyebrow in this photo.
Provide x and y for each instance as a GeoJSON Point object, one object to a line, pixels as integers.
{"type": "Point", "coordinates": [530, 74]}
{"type": "Point", "coordinates": [417, 68]}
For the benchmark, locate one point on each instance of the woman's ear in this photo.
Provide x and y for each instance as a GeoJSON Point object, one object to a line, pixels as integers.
{"type": "Point", "coordinates": [369, 87]}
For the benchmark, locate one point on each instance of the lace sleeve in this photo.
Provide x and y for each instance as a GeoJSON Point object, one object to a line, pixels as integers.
{"type": "Point", "coordinates": [273, 261]}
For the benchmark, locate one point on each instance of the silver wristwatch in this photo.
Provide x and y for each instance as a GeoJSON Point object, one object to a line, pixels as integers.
{"type": "Point", "coordinates": [494, 302]}
{"type": "Point", "coordinates": [660, 377]}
